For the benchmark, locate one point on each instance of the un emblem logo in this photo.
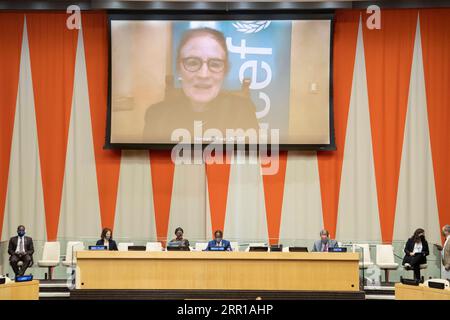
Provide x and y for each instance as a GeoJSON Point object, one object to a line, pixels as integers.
{"type": "Point", "coordinates": [251, 26]}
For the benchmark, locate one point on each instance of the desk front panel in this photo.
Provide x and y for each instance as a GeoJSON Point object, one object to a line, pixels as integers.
{"type": "Point", "coordinates": [218, 270]}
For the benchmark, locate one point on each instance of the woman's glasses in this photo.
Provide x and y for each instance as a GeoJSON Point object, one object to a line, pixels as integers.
{"type": "Point", "coordinates": [193, 64]}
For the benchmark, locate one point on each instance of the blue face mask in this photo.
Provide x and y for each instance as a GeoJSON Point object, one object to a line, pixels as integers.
{"type": "Point", "coordinates": [21, 233]}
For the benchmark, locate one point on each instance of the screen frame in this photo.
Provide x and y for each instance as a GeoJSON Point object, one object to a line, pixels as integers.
{"type": "Point", "coordinates": [220, 16]}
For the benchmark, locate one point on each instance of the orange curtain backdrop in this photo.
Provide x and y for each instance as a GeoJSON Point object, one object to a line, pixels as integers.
{"type": "Point", "coordinates": [273, 198]}
{"type": "Point", "coordinates": [388, 57]}
{"type": "Point", "coordinates": [435, 31]}
{"type": "Point", "coordinates": [52, 52]}
{"type": "Point", "coordinates": [95, 33]}
{"type": "Point", "coordinates": [388, 54]}
{"type": "Point", "coordinates": [330, 163]}
{"type": "Point", "coordinates": [162, 171]}
{"type": "Point", "coordinates": [11, 30]}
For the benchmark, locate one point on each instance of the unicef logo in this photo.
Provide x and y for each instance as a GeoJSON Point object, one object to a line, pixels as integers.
{"type": "Point", "coordinates": [251, 26]}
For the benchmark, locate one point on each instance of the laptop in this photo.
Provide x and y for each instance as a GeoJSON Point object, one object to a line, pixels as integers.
{"type": "Point", "coordinates": [178, 248]}
{"type": "Point", "coordinates": [298, 249]}
{"type": "Point", "coordinates": [276, 248]}
{"type": "Point", "coordinates": [258, 249]}
{"type": "Point", "coordinates": [136, 248]}
{"type": "Point", "coordinates": [436, 285]}
{"type": "Point", "coordinates": [409, 282]}
{"type": "Point", "coordinates": [97, 248]}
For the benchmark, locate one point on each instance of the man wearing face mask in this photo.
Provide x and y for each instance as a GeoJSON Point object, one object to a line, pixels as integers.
{"type": "Point", "coordinates": [324, 243]}
{"type": "Point", "coordinates": [218, 242]}
{"type": "Point", "coordinates": [416, 250]}
{"type": "Point", "coordinates": [20, 248]}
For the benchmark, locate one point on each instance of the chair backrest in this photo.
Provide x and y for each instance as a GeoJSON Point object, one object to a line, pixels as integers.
{"type": "Point", "coordinates": [123, 246]}
{"type": "Point", "coordinates": [52, 251]}
{"type": "Point", "coordinates": [385, 253]}
{"type": "Point", "coordinates": [73, 246]}
{"type": "Point", "coordinates": [153, 246]}
{"type": "Point", "coordinates": [257, 244]}
{"type": "Point", "coordinates": [200, 246]}
{"type": "Point", "coordinates": [364, 249]}
{"type": "Point", "coordinates": [234, 245]}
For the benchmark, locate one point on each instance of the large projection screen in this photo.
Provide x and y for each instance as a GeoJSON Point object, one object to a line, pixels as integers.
{"type": "Point", "coordinates": [209, 80]}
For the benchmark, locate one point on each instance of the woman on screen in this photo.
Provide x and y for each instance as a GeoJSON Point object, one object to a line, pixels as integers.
{"type": "Point", "coordinates": [202, 64]}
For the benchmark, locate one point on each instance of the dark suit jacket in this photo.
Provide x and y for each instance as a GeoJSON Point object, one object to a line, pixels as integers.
{"type": "Point", "coordinates": [318, 245]}
{"type": "Point", "coordinates": [225, 243]}
{"type": "Point", "coordinates": [28, 246]}
{"type": "Point", "coordinates": [409, 247]}
{"type": "Point", "coordinates": [111, 245]}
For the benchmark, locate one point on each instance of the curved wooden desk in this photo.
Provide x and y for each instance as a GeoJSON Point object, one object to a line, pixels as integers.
{"type": "Point", "coordinates": [420, 292]}
{"type": "Point", "coordinates": [218, 270]}
{"type": "Point", "coordinates": [28, 290]}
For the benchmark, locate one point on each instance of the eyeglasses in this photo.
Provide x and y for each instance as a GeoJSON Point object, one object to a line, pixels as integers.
{"type": "Point", "coordinates": [193, 64]}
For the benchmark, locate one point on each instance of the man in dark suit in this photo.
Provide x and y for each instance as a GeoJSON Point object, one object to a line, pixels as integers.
{"type": "Point", "coordinates": [218, 242]}
{"type": "Point", "coordinates": [20, 249]}
{"type": "Point", "coordinates": [324, 243]}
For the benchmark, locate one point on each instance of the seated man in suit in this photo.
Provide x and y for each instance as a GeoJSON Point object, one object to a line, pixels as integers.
{"type": "Point", "coordinates": [20, 248]}
{"type": "Point", "coordinates": [218, 242]}
{"type": "Point", "coordinates": [324, 243]}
